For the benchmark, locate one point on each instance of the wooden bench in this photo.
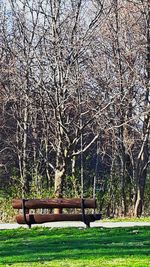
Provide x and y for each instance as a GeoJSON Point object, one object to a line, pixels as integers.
{"type": "Point", "coordinates": [26, 217]}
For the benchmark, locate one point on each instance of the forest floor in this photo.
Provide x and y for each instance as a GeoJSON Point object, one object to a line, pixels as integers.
{"type": "Point", "coordinates": [72, 247]}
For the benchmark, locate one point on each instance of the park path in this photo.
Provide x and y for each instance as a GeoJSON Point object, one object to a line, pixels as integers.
{"type": "Point", "coordinates": [76, 224]}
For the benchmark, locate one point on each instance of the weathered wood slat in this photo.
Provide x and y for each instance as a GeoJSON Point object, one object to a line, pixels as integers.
{"type": "Point", "coordinates": [43, 218]}
{"type": "Point", "coordinates": [54, 203]}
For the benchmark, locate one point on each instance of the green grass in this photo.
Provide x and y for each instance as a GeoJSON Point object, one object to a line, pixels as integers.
{"type": "Point", "coordinates": [127, 219]}
{"type": "Point", "coordinates": [73, 247]}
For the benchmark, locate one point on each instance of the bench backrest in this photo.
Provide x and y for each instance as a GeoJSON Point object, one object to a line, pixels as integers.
{"type": "Point", "coordinates": [54, 203]}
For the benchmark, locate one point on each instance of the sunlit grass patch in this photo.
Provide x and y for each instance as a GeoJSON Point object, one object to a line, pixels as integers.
{"type": "Point", "coordinates": [127, 219]}
{"type": "Point", "coordinates": [74, 247]}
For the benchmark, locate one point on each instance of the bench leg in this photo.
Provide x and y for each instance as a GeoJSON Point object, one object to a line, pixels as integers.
{"type": "Point", "coordinates": [87, 224]}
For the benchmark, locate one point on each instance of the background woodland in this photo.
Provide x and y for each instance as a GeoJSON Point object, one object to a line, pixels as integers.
{"type": "Point", "coordinates": [75, 101]}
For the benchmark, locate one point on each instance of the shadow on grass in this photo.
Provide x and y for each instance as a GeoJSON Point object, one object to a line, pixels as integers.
{"type": "Point", "coordinates": [41, 244]}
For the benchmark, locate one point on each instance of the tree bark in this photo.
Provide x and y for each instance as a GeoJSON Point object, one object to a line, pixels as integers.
{"type": "Point", "coordinates": [143, 157]}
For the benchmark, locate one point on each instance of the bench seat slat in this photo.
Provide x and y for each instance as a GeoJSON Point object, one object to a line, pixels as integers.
{"type": "Point", "coordinates": [43, 218]}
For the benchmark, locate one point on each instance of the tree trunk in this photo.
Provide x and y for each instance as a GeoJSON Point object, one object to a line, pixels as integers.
{"type": "Point", "coordinates": [73, 170]}
{"type": "Point", "coordinates": [143, 157]}
{"type": "Point", "coordinates": [59, 179]}
{"type": "Point", "coordinates": [59, 175]}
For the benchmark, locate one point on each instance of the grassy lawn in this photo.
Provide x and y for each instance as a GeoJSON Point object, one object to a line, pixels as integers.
{"type": "Point", "coordinates": [73, 247]}
{"type": "Point", "coordinates": [127, 219]}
